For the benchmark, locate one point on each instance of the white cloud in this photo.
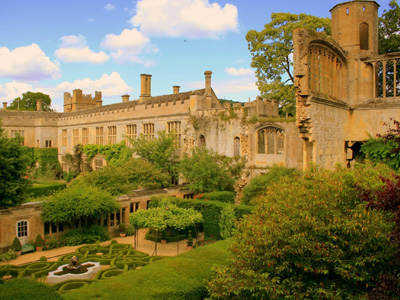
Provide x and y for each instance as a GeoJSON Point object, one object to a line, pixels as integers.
{"type": "Point", "coordinates": [27, 63]}
{"type": "Point", "coordinates": [109, 7]}
{"type": "Point", "coordinates": [127, 46]}
{"type": "Point", "coordinates": [185, 18]}
{"type": "Point", "coordinates": [11, 90]}
{"type": "Point", "coordinates": [239, 72]}
{"type": "Point", "coordinates": [73, 49]}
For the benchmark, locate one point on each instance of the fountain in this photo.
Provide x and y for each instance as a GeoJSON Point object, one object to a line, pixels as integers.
{"type": "Point", "coordinates": [73, 270]}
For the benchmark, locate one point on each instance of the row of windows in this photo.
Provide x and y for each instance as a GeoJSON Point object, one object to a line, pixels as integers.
{"type": "Point", "coordinates": [173, 128]}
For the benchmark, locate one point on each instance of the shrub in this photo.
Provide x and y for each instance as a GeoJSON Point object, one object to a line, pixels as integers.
{"type": "Point", "coordinates": [39, 241]}
{"type": "Point", "coordinates": [85, 235]}
{"type": "Point", "coordinates": [225, 196]}
{"type": "Point", "coordinates": [130, 230]}
{"type": "Point", "coordinates": [43, 258]}
{"type": "Point", "coordinates": [43, 189]}
{"type": "Point", "coordinates": [227, 221]}
{"type": "Point", "coordinates": [9, 255]}
{"type": "Point", "coordinates": [17, 244]}
{"type": "Point", "coordinates": [52, 242]}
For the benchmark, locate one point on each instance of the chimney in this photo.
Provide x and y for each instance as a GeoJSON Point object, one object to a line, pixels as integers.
{"type": "Point", "coordinates": [39, 105]}
{"type": "Point", "coordinates": [145, 86]}
{"type": "Point", "coordinates": [208, 82]}
{"type": "Point", "coordinates": [176, 89]}
{"type": "Point", "coordinates": [125, 98]}
{"type": "Point", "coordinates": [4, 105]}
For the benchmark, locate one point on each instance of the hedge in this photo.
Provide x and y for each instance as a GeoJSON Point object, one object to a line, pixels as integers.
{"type": "Point", "coordinates": [23, 289]}
{"type": "Point", "coordinates": [43, 189]}
{"type": "Point", "coordinates": [225, 196]}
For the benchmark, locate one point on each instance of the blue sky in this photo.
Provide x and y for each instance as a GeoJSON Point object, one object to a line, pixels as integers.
{"type": "Point", "coordinates": [56, 46]}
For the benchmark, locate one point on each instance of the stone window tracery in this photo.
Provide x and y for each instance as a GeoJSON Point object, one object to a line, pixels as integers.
{"type": "Point", "coordinates": [75, 136]}
{"type": "Point", "coordinates": [270, 140]}
{"type": "Point", "coordinates": [174, 128]}
{"type": "Point", "coordinates": [85, 136]}
{"type": "Point", "coordinates": [148, 131]}
{"type": "Point", "coordinates": [131, 133]}
{"type": "Point", "coordinates": [64, 138]}
{"type": "Point", "coordinates": [99, 135]}
{"type": "Point", "coordinates": [111, 135]}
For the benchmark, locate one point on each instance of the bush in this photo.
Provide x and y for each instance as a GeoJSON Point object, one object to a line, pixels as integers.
{"type": "Point", "coordinates": [130, 230]}
{"type": "Point", "coordinates": [9, 255]}
{"type": "Point", "coordinates": [225, 196]}
{"type": "Point", "coordinates": [259, 185]}
{"type": "Point", "coordinates": [44, 189]}
{"type": "Point", "coordinates": [39, 241]}
{"type": "Point", "coordinates": [85, 235]}
{"type": "Point", "coordinates": [52, 242]}
{"type": "Point", "coordinates": [17, 244]}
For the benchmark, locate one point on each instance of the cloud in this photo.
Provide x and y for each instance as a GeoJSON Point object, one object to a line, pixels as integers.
{"type": "Point", "coordinates": [27, 63]}
{"type": "Point", "coordinates": [73, 49]}
{"type": "Point", "coordinates": [11, 90]}
{"type": "Point", "coordinates": [127, 46]}
{"type": "Point", "coordinates": [185, 18]}
{"type": "Point", "coordinates": [109, 7]}
{"type": "Point", "coordinates": [239, 72]}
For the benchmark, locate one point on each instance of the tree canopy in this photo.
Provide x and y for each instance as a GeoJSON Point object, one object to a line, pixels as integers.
{"type": "Point", "coordinates": [14, 161]}
{"type": "Point", "coordinates": [271, 50]}
{"type": "Point", "coordinates": [28, 102]}
{"type": "Point", "coordinates": [389, 29]}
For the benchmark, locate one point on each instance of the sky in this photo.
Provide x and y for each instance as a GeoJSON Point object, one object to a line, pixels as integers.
{"type": "Point", "coordinates": [54, 46]}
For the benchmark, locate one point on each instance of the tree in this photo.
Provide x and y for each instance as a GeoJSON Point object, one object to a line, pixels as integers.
{"type": "Point", "coordinates": [208, 171]}
{"type": "Point", "coordinates": [159, 151]}
{"type": "Point", "coordinates": [28, 102]}
{"type": "Point", "coordinates": [271, 49]}
{"type": "Point", "coordinates": [78, 202]}
{"type": "Point", "coordinates": [166, 215]}
{"type": "Point", "coordinates": [309, 238]}
{"type": "Point", "coordinates": [389, 29]}
{"type": "Point", "coordinates": [13, 167]}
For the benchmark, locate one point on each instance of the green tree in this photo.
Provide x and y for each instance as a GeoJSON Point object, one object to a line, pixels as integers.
{"type": "Point", "coordinates": [227, 221]}
{"type": "Point", "coordinates": [28, 102]}
{"type": "Point", "coordinates": [209, 171]}
{"type": "Point", "coordinates": [309, 238]}
{"type": "Point", "coordinates": [14, 161]}
{"type": "Point", "coordinates": [159, 151]}
{"type": "Point", "coordinates": [78, 202]}
{"type": "Point", "coordinates": [271, 49]}
{"type": "Point", "coordinates": [389, 29]}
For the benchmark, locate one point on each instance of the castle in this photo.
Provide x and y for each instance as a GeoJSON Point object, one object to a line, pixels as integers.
{"type": "Point", "coordinates": [342, 99]}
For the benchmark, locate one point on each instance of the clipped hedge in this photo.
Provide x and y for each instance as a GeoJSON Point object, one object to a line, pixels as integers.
{"type": "Point", "coordinates": [44, 189]}
{"type": "Point", "coordinates": [225, 196]}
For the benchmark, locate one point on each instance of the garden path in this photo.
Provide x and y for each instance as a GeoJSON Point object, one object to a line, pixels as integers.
{"type": "Point", "coordinates": [145, 246]}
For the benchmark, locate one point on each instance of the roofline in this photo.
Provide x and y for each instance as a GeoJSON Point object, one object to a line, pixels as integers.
{"type": "Point", "coordinates": [348, 2]}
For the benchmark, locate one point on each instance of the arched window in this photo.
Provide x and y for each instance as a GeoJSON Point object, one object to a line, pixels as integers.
{"type": "Point", "coordinates": [22, 228]}
{"type": "Point", "coordinates": [261, 141]}
{"type": "Point", "coordinates": [202, 141]}
{"type": "Point", "coordinates": [270, 140]}
{"type": "Point", "coordinates": [236, 146]}
{"type": "Point", "coordinates": [364, 44]}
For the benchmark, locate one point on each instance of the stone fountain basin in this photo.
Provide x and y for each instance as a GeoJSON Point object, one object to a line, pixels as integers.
{"type": "Point", "coordinates": [52, 278]}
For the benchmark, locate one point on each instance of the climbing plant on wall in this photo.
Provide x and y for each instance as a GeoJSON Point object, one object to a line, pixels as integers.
{"type": "Point", "coordinates": [116, 154]}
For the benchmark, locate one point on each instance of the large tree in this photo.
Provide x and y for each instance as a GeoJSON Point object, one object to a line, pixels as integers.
{"type": "Point", "coordinates": [29, 100]}
{"type": "Point", "coordinates": [13, 166]}
{"type": "Point", "coordinates": [271, 49]}
{"type": "Point", "coordinates": [389, 29]}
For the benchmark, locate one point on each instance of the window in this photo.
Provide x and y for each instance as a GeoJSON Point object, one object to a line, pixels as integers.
{"type": "Point", "coordinates": [112, 220]}
{"type": "Point", "coordinates": [174, 128]}
{"type": "Point", "coordinates": [111, 135]}
{"type": "Point", "coordinates": [148, 131]}
{"type": "Point", "coordinates": [364, 45]}
{"type": "Point", "coordinates": [50, 228]}
{"type": "Point", "coordinates": [270, 140]}
{"type": "Point", "coordinates": [134, 207]}
{"type": "Point", "coordinates": [22, 228]}
{"type": "Point", "coordinates": [202, 141]}
{"type": "Point", "coordinates": [99, 135]}
{"type": "Point", "coordinates": [130, 134]}
{"type": "Point", "coordinates": [236, 146]}
{"type": "Point", "coordinates": [98, 164]}
{"type": "Point", "coordinates": [49, 144]}
{"type": "Point", "coordinates": [64, 138]}
{"type": "Point", "coordinates": [85, 136]}
{"type": "Point", "coordinates": [15, 133]}
{"type": "Point", "coordinates": [75, 136]}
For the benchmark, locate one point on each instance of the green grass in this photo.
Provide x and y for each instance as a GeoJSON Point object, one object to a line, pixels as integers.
{"type": "Point", "coordinates": [23, 289]}
{"type": "Point", "coordinates": [181, 277]}
{"type": "Point", "coordinates": [44, 188]}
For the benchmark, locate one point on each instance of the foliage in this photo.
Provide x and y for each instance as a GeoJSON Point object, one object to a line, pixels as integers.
{"type": "Point", "coordinates": [13, 166]}
{"type": "Point", "coordinates": [77, 202]}
{"type": "Point", "coordinates": [45, 188]}
{"type": "Point", "coordinates": [385, 148]}
{"type": "Point", "coordinates": [130, 230]}
{"type": "Point", "coordinates": [227, 222]}
{"type": "Point", "coordinates": [28, 102]}
{"type": "Point", "coordinates": [75, 163]}
{"type": "Point", "coordinates": [259, 185]}
{"type": "Point", "coordinates": [387, 199]}
{"type": "Point", "coordinates": [189, 239]}
{"type": "Point", "coordinates": [39, 241]}
{"type": "Point", "coordinates": [174, 278]}
{"type": "Point", "coordinates": [115, 154]}
{"type": "Point", "coordinates": [125, 178]}
{"type": "Point", "coordinates": [308, 238]}
{"type": "Point", "coordinates": [224, 196]}
{"type": "Point", "coordinates": [271, 49]}
{"type": "Point", "coordinates": [7, 256]}
{"type": "Point", "coordinates": [52, 242]}
{"type": "Point", "coordinates": [85, 235]}
{"type": "Point", "coordinates": [209, 171]}
{"type": "Point", "coordinates": [159, 151]}
{"type": "Point", "coordinates": [24, 289]}
{"type": "Point", "coordinates": [389, 24]}
{"type": "Point", "coordinates": [16, 244]}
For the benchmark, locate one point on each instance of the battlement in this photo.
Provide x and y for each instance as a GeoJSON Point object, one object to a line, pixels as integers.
{"type": "Point", "coordinates": [79, 101]}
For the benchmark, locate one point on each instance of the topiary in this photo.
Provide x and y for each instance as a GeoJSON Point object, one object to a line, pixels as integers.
{"type": "Point", "coordinates": [43, 258]}
{"type": "Point", "coordinates": [39, 241]}
{"type": "Point", "coordinates": [17, 244]}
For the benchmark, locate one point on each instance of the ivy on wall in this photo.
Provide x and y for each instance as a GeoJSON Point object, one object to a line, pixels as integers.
{"type": "Point", "coordinates": [115, 154]}
{"type": "Point", "coordinates": [44, 162]}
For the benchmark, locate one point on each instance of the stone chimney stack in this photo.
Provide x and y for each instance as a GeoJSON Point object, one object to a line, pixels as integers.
{"type": "Point", "coordinates": [176, 89]}
{"type": "Point", "coordinates": [125, 98]}
{"type": "Point", "coordinates": [208, 82]}
{"type": "Point", "coordinates": [39, 105]}
{"type": "Point", "coordinates": [4, 105]}
{"type": "Point", "coordinates": [145, 86]}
